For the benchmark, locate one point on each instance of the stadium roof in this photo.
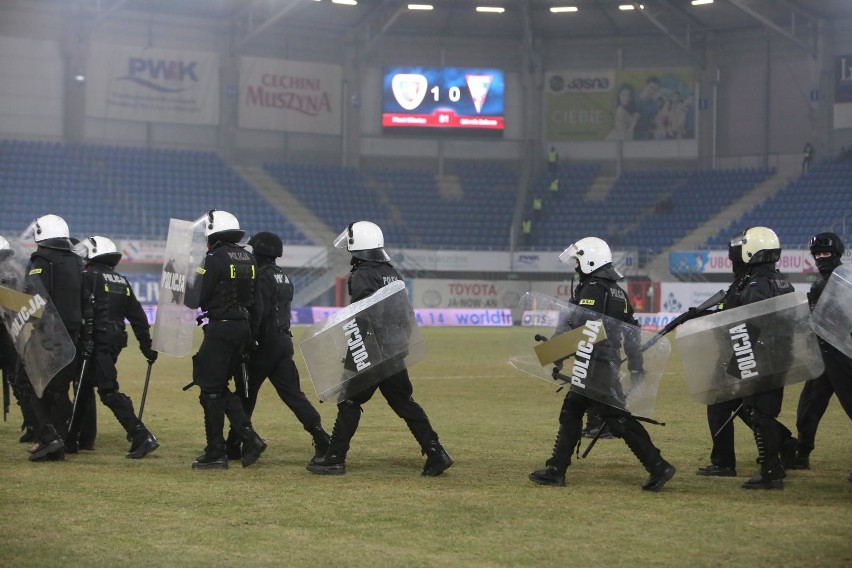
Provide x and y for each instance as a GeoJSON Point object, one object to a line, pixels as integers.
{"type": "Point", "coordinates": [524, 20]}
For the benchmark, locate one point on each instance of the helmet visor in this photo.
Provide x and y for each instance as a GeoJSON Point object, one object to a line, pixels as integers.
{"type": "Point", "coordinates": [569, 255]}
{"type": "Point", "coordinates": [738, 241]}
{"type": "Point", "coordinates": [822, 241]}
{"type": "Point", "coordinates": [342, 240]}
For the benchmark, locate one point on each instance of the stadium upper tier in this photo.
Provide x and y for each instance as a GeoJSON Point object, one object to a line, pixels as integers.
{"type": "Point", "coordinates": [818, 200]}
{"type": "Point", "coordinates": [126, 192]}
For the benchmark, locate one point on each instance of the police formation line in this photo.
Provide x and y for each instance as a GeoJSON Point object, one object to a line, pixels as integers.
{"type": "Point", "coordinates": [244, 299]}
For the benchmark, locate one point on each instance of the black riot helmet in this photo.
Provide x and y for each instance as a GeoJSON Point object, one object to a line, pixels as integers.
{"type": "Point", "coordinates": [266, 244]}
{"type": "Point", "coordinates": [827, 242]}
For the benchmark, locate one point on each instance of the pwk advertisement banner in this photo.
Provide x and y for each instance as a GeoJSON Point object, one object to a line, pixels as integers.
{"type": "Point", "coordinates": [717, 262]}
{"type": "Point", "coordinates": [152, 85]}
{"type": "Point", "coordinates": [276, 94]}
{"type": "Point", "coordinates": [843, 91]}
{"type": "Point", "coordinates": [635, 104]}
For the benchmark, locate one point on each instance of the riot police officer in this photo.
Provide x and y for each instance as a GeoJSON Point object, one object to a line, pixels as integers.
{"type": "Point", "coordinates": [758, 248]}
{"type": "Point", "coordinates": [10, 365]}
{"type": "Point", "coordinates": [273, 355]}
{"type": "Point", "coordinates": [599, 291]}
{"type": "Point", "coordinates": [60, 271]}
{"type": "Point", "coordinates": [827, 250]}
{"type": "Point", "coordinates": [109, 301]}
{"type": "Point", "coordinates": [371, 270]}
{"type": "Point", "coordinates": [226, 296]}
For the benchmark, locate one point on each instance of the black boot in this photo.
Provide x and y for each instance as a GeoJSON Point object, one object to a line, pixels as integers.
{"type": "Point", "coordinates": [802, 460]}
{"type": "Point", "coordinates": [334, 460]}
{"type": "Point", "coordinates": [321, 442]}
{"type": "Point", "coordinates": [253, 446]}
{"type": "Point", "coordinates": [550, 475]}
{"type": "Point", "coordinates": [437, 459]}
{"type": "Point", "coordinates": [212, 458]}
{"type": "Point", "coordinates": [28, 435]}
{"type": "Point", "coordinates": [662, 472]}
{"type": "Point", "coordinates": [788, 453]}
{"type": "Point", "coordinates": [143, 443]}
{"type": "Point", "coordinates": [765, 479]}
{"type": "Point", "coordinates": [49, 444]}
{"type": "Point", "coordinates": [233, 445]}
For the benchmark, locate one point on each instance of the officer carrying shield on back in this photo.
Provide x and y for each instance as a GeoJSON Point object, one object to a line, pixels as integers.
{"type": "Point", "coordinates": [60, 271]}
{"type": "Point", "coordinates": [10, 365]}
{"type": "Point", "coordinates": [227, 295]}
{"type": "Point", "coordinates": [753, 254]}
{"type": "Point", "coordinates": [371, 270]}
{"type": "Point", "coordinates": [110, 301]}
{"type": "Point", "coordinates": [827, 250]}
{"type": "Point", "coordinates": [598, 291]}
{"type": "Point", "coordinates": [273, 355]}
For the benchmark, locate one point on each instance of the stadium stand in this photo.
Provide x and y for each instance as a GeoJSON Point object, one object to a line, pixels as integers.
{"type": "Point", "coordinates": [126, 192]}
{"type": "Point", "coordinates": [818, 200]}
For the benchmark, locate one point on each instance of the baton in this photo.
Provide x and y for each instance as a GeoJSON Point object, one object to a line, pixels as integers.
{"type": "Point", "coordinates": [77, 391]}
{"type": "Point", "coordinates": [5, 396]}
{"type": "Point", "coordinates": [145, 390]}
{"type": "Point", "coordinates": [728, 421]}
{"type": "Point", "coordinates": [245, 379]}
{"type": "Point", "coordinates": [594, 440]}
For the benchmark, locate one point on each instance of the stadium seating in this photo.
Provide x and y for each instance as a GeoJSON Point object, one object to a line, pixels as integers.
{"type": "Point", "coordinates": [813, 202]}
{"type": "Point", "coordinates": [126, 192]}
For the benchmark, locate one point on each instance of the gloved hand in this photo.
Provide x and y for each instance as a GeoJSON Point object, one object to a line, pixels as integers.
{"type": "Point", "coordinates": [149, 353]}
{"type": "Point", "coordinates": [88, 349]}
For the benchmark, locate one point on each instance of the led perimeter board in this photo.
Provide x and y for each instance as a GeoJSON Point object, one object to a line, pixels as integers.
{"type": "Point", "coordinates": [444, 99]}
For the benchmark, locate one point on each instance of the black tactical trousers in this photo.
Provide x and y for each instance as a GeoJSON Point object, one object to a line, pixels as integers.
{"type": "Point", "coordinates": [276, 362]}
{"type": "Point", "coordinates": [838, 368]}
{"type": "Point", "coordinates": [723, 454]}
{"type": "Point", "coordinates": [813, 403]}
{"type": "Point", "coordinates": [769, 434]}
{"type": "Point", "coordinates": [397, 390]}
{"type": "Point", "coordinates": [620, 423]}
{"type": "Point", "coordinates": [212, 367]}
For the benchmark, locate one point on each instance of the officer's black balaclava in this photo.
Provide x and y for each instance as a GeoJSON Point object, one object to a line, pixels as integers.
{"type": "Point", "coordinates": [740, 268]}
{"type": "Point", "coordinates": [830, 243]}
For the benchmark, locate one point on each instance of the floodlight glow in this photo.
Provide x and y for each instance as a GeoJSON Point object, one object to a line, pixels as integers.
{"type": "Point", "coordinates": [492, 9]}
{"type": "Point", "coordinates": [630, 7]}
{"type": "Point", "coordinates": [559, 9]}
{"type": "Point", "coordinates": [700, 2]}
{"type": "Point", "coordinates": [347, 2]}
{"type": "Point", "coordinates": [420, 7]}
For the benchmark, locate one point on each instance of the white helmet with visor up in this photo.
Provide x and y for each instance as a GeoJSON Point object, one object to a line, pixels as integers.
{"type": "Point", "coordinates": [589, 254]}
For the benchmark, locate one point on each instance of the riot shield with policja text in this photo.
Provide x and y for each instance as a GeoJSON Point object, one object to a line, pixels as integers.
{"type": "Point", "coordinates": [832, 315]}
{"type": "Point", "coordinates": [37, 331]}
{"type": "Point", "coordinates": [581, 343]}
{"type": "Point", "coordinates": [177, 303]}
{"type": "Point", "coordinates": [362, 344]}
{"type": "Point", "coordinates": [750, 349]}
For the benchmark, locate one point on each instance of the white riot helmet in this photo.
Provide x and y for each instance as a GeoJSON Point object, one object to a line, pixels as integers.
{"type": "Point", "coordinates": [4, 244]}
{"type": "Point", "coordinates": [755, 246]}
{"type": "Point", "coordinates": [364, 240]}
{"type": "Point", "coordinates": [222, 226]}
{"type": "Point", "coordinates": [589, 254]}
{"type": "Point", "coordinates": [99, 249]}
{"type": "Point", "coordinates": [48, 227]}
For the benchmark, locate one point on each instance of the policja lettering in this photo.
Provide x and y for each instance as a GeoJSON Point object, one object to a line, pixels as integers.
{"type": "Point", "coordinates": [356, 345]}
{"type": "Point", "coordinates": [34, 308]}
{"type": "Point", "coordinates": [173, 281]}
{"type": "Point", "coordinates": [583, 357]}
{"type": "Point", "coordinates": [743, 351]}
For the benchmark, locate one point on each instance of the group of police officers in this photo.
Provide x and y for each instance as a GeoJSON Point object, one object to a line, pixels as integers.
{"type": "Point", "coordinates": [245, 298]}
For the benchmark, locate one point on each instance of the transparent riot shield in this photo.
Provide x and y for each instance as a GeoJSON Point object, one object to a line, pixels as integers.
{"type": "Point", "coordinates": [588, 352]}
{"type": "Point", "coordinates": [750, 349]}
{"type": "Point", "coordinates": [177, 304]}
{"type": "Point", "coordinates": [363, 344]}
{"type": "Point", "coordinates": [40, 337]}
{"type": "Point", "coordinates": [832, 316]}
